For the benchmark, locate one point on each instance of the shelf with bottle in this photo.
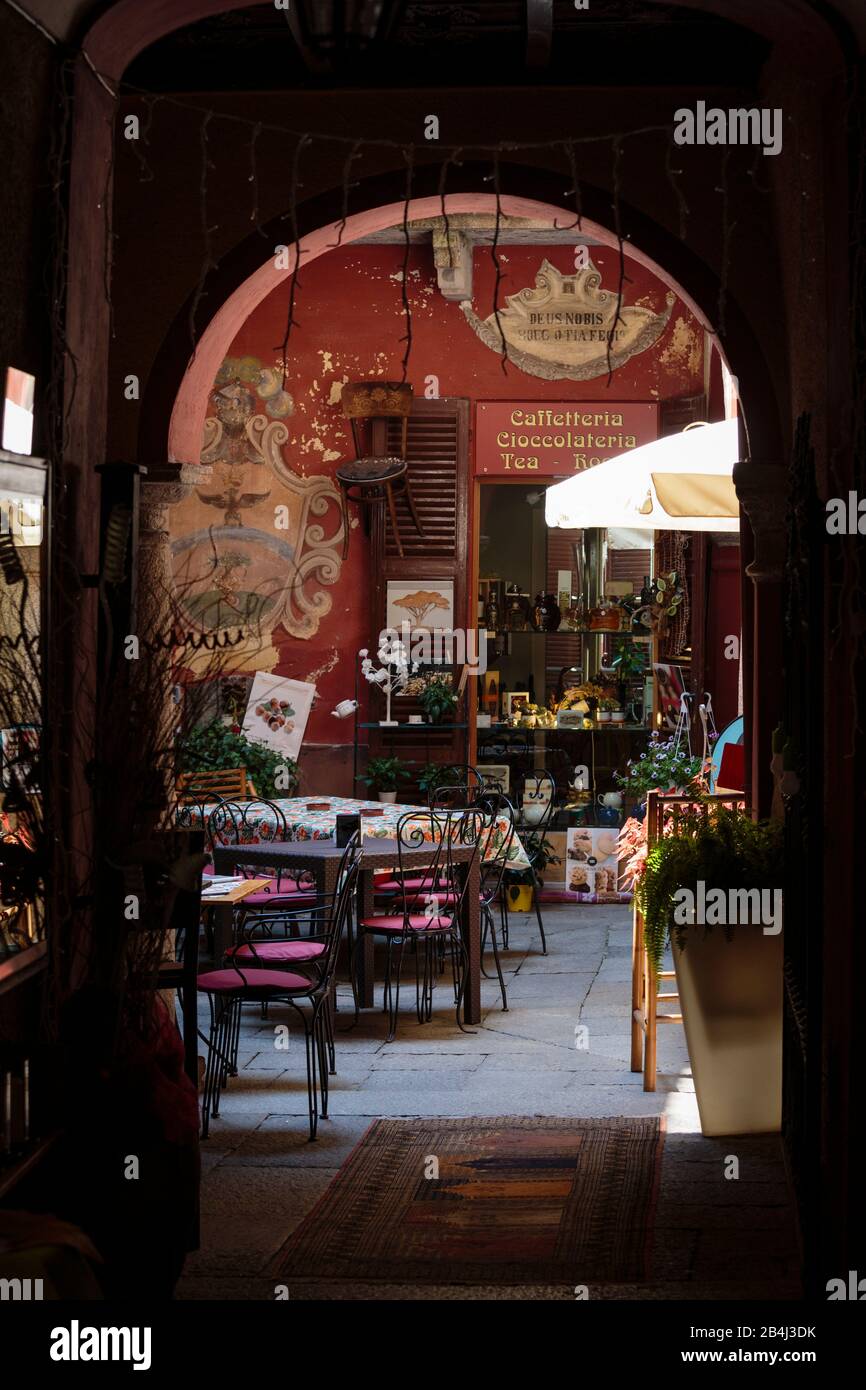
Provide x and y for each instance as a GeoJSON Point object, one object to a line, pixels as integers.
{"type": "Point", "coordinates": [570, 632]}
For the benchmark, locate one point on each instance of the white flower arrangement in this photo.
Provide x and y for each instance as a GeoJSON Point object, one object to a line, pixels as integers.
{"type": "Point", "coordinates": [393, 673]}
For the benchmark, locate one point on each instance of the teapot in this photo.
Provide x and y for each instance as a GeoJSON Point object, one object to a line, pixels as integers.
{"type": "Point", "coordinates": [344, 709]}
{"type": "Point", "coordinates": [612, 800]}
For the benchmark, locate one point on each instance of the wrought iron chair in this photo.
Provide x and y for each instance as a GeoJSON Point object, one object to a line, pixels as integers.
{"type": "Point", "coordinates": [426, 914]}
{"type": "Point", "coordinates": [538, 788]}
{"type": "Point", "coordinates": [494, 850]}
{"type": "Point", "coordinates": [261, 822]}
{"type": "Point", "coordinates": [464, 792]}
{"type": "Point", "coordinates": [245, 981]}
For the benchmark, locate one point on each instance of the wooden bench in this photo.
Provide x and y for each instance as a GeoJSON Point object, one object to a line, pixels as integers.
{"type": "Point", "coordinates": [223, 784]}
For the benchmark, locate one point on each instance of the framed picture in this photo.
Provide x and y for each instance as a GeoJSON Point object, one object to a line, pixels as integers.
{"type": "Point", "coordinates": [426, 604]}
{"type": "Point", "coordinates": [277, 712]}
{"type": "Point", "coordinates": [495, 776]}
{"type": "Point", "coordinates": [514, 701]}
{"type": "Point", "coordinates": [671, 686]}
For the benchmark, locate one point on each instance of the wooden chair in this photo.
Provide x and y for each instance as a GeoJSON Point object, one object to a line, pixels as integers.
{"type": "Point", "coordinates": [229, 783]}
{"type": "Point", "coordinates": [661, 810]}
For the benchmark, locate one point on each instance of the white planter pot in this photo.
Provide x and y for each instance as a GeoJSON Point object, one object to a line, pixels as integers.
{"type": "Point", "coordinates": [603, 716]}
{"type": "Point", "coordinates": [731, 998]}
{"type": "Point", "coordinates": [388, 796]}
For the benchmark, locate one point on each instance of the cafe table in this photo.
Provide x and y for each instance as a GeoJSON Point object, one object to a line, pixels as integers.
{"type": "Point", "coordinates": [315, 818]}
{"type": "Point", "coordinates": [310, 845]}
{"type": "Point", "coordinates": [224, 903]}
{"type": "Point", "coordinates": [321, 859]}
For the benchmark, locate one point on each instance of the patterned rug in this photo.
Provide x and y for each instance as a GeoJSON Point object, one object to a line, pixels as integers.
{"type": "Point", "coordinates": [516, 1200]}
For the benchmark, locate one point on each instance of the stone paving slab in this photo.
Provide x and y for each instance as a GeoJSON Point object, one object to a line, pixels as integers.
{"type": "Point", "coordinates": [715, 1239]}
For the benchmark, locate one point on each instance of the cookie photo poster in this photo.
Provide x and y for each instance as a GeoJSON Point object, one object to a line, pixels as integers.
{"type": "Point", "coordinates": [592, 864]}
{"type": "Point", "coordinates": [277, 712]}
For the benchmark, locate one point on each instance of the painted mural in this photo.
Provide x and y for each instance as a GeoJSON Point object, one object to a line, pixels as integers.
{"type": "Point", "coordinates": [260, 544]}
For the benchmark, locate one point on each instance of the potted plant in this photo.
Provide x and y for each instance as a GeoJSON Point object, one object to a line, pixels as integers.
{"type": "Point", "coordinates": [438, 700]}
{"type": "Point", "coordinates": [714, 889]}
{"type": "Point", "coordinates": [434, 775]}
{"type": "Point", "coordinates": [606, 706]}
{"type": "Point", "coordinates": [521, 883]}
{"type": "Point", "coordinates": [382, 776]}
{"type": "Point", "coordinates": [220, 745]}
{"type": "Point", "coordinates": [627, 664]}
{"type": "Point", "coordinates": [665, 765]}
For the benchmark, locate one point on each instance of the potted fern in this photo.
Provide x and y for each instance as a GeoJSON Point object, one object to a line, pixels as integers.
{"type": "Point", "coordinates": [714, 890]}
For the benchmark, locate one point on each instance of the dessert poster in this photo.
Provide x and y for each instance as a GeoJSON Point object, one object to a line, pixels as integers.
{"type": "Point", "coordinates": [277, 712]}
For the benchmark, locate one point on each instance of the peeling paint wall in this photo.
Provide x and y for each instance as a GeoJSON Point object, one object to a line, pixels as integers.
{"type": "Point", "coordinates": [350, 322]}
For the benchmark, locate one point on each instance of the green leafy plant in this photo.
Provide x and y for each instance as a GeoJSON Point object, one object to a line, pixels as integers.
{"type": "Point", "coordinates": [718, 846]}
{"type": "Point", "coordinates": [664, 765]}
{"type": "Point", "coordinates": [383, 774]}
{"type": "Point", "coordinates": [608, 704]}
{"type": "Point", "coordinates": [541, 855]}
{"type": "Point", "coordinates": [627, 661]}
{"type": "Point", "coordinates": [434, 775]}
{"type": "Point", "coordinates": [438, 700]}
{"type": "Point", "coordinates": [218, 745]}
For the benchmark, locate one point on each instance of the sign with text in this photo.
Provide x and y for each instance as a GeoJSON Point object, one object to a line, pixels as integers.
{"type": "Point", "coordinates": [557, 438]}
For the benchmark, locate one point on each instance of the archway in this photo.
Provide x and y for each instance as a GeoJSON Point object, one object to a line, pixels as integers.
{"type": "Point", "coordinates": [187, 416]}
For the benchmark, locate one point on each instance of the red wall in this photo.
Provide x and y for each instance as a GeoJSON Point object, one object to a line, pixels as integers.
{"type": "Point", "coordinates": [350, 320]}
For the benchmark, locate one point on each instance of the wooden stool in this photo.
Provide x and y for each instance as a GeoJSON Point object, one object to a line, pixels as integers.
{"type": "Point", "coordinates": [371, 481]}
{"type": "Point", "coordinates": [661, 809]}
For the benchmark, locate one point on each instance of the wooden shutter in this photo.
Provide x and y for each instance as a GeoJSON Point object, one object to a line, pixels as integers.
{"type": "Point", "coordinates": [437, 452]}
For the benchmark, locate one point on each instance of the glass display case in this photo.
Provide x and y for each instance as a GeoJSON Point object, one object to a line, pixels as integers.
{"type": "Point", "coordinates": [567, 649]}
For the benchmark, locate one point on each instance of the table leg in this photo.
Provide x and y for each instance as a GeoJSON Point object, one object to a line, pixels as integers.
{"type": "Point", "coordinates": [471, 924]}
{"type": "Point", "coordinates": [364, 954]}
{"type": "Point", "coordinates": [223, 915]}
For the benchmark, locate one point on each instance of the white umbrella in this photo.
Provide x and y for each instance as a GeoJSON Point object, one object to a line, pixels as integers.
{"type": "Point", "coordinates": [680, 483]}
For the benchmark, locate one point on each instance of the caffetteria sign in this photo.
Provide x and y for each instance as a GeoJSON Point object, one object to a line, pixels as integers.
{"type": "Point", "coordinates": [557, 438]}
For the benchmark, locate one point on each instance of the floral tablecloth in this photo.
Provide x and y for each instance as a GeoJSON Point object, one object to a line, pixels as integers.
{"type": "Point", "coordinates": [304, 824]}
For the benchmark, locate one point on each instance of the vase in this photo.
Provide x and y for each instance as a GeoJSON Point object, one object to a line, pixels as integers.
{"type": "Point", "coordinates": [389, 797]}
{"type": "Point", "coordinates": [546, 616]}
{"type": "Point", "coordinates": [731, 997]}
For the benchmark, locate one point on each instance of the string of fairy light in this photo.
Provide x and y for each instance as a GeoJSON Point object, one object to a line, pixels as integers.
{"type": "Point", "coordinates": [562, 149]}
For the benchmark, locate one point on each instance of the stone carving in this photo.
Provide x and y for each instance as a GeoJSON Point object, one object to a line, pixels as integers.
{"type": "Point", "coordinates": [560, 329]}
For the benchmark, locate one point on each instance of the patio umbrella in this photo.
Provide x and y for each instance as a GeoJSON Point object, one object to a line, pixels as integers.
{"type": "Point", "coordinates": [680, 483]}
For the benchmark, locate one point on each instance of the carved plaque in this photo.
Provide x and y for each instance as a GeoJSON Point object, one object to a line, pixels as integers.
{"type": "Point", "coordinates": [560, 330]}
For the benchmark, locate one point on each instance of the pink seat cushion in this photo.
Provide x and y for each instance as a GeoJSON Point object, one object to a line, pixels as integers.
{"type": "Point", "coordinates": [290, 898]}
{"type": "Point", "coordinates": [279, 950]}
{"type": "Point", "coordinates": [396, 924]}
{"type": "Point", "coordinates": [230, 982]}
{"type": "Point", "coordinates": [412, 885]}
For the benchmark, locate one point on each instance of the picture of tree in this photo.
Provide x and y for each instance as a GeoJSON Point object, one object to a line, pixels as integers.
{"type": "Point", "coordinates": [422, 602]}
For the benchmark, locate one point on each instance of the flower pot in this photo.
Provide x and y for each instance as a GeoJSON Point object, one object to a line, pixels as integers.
{"type": "Point", "coordinates": [388, 796]}
{"type": "Point", "coordinates": [520, 897]}
{"type": "Point", "coordinates": [731, 997]}
{"type": "Point", "coordinates": [617, 716]}
{"type": "Point", "coordinates": [603, 716]}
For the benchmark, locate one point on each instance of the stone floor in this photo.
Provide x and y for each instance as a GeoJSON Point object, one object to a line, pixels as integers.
{"type": "Point", "coordinates": [715, 1238]}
